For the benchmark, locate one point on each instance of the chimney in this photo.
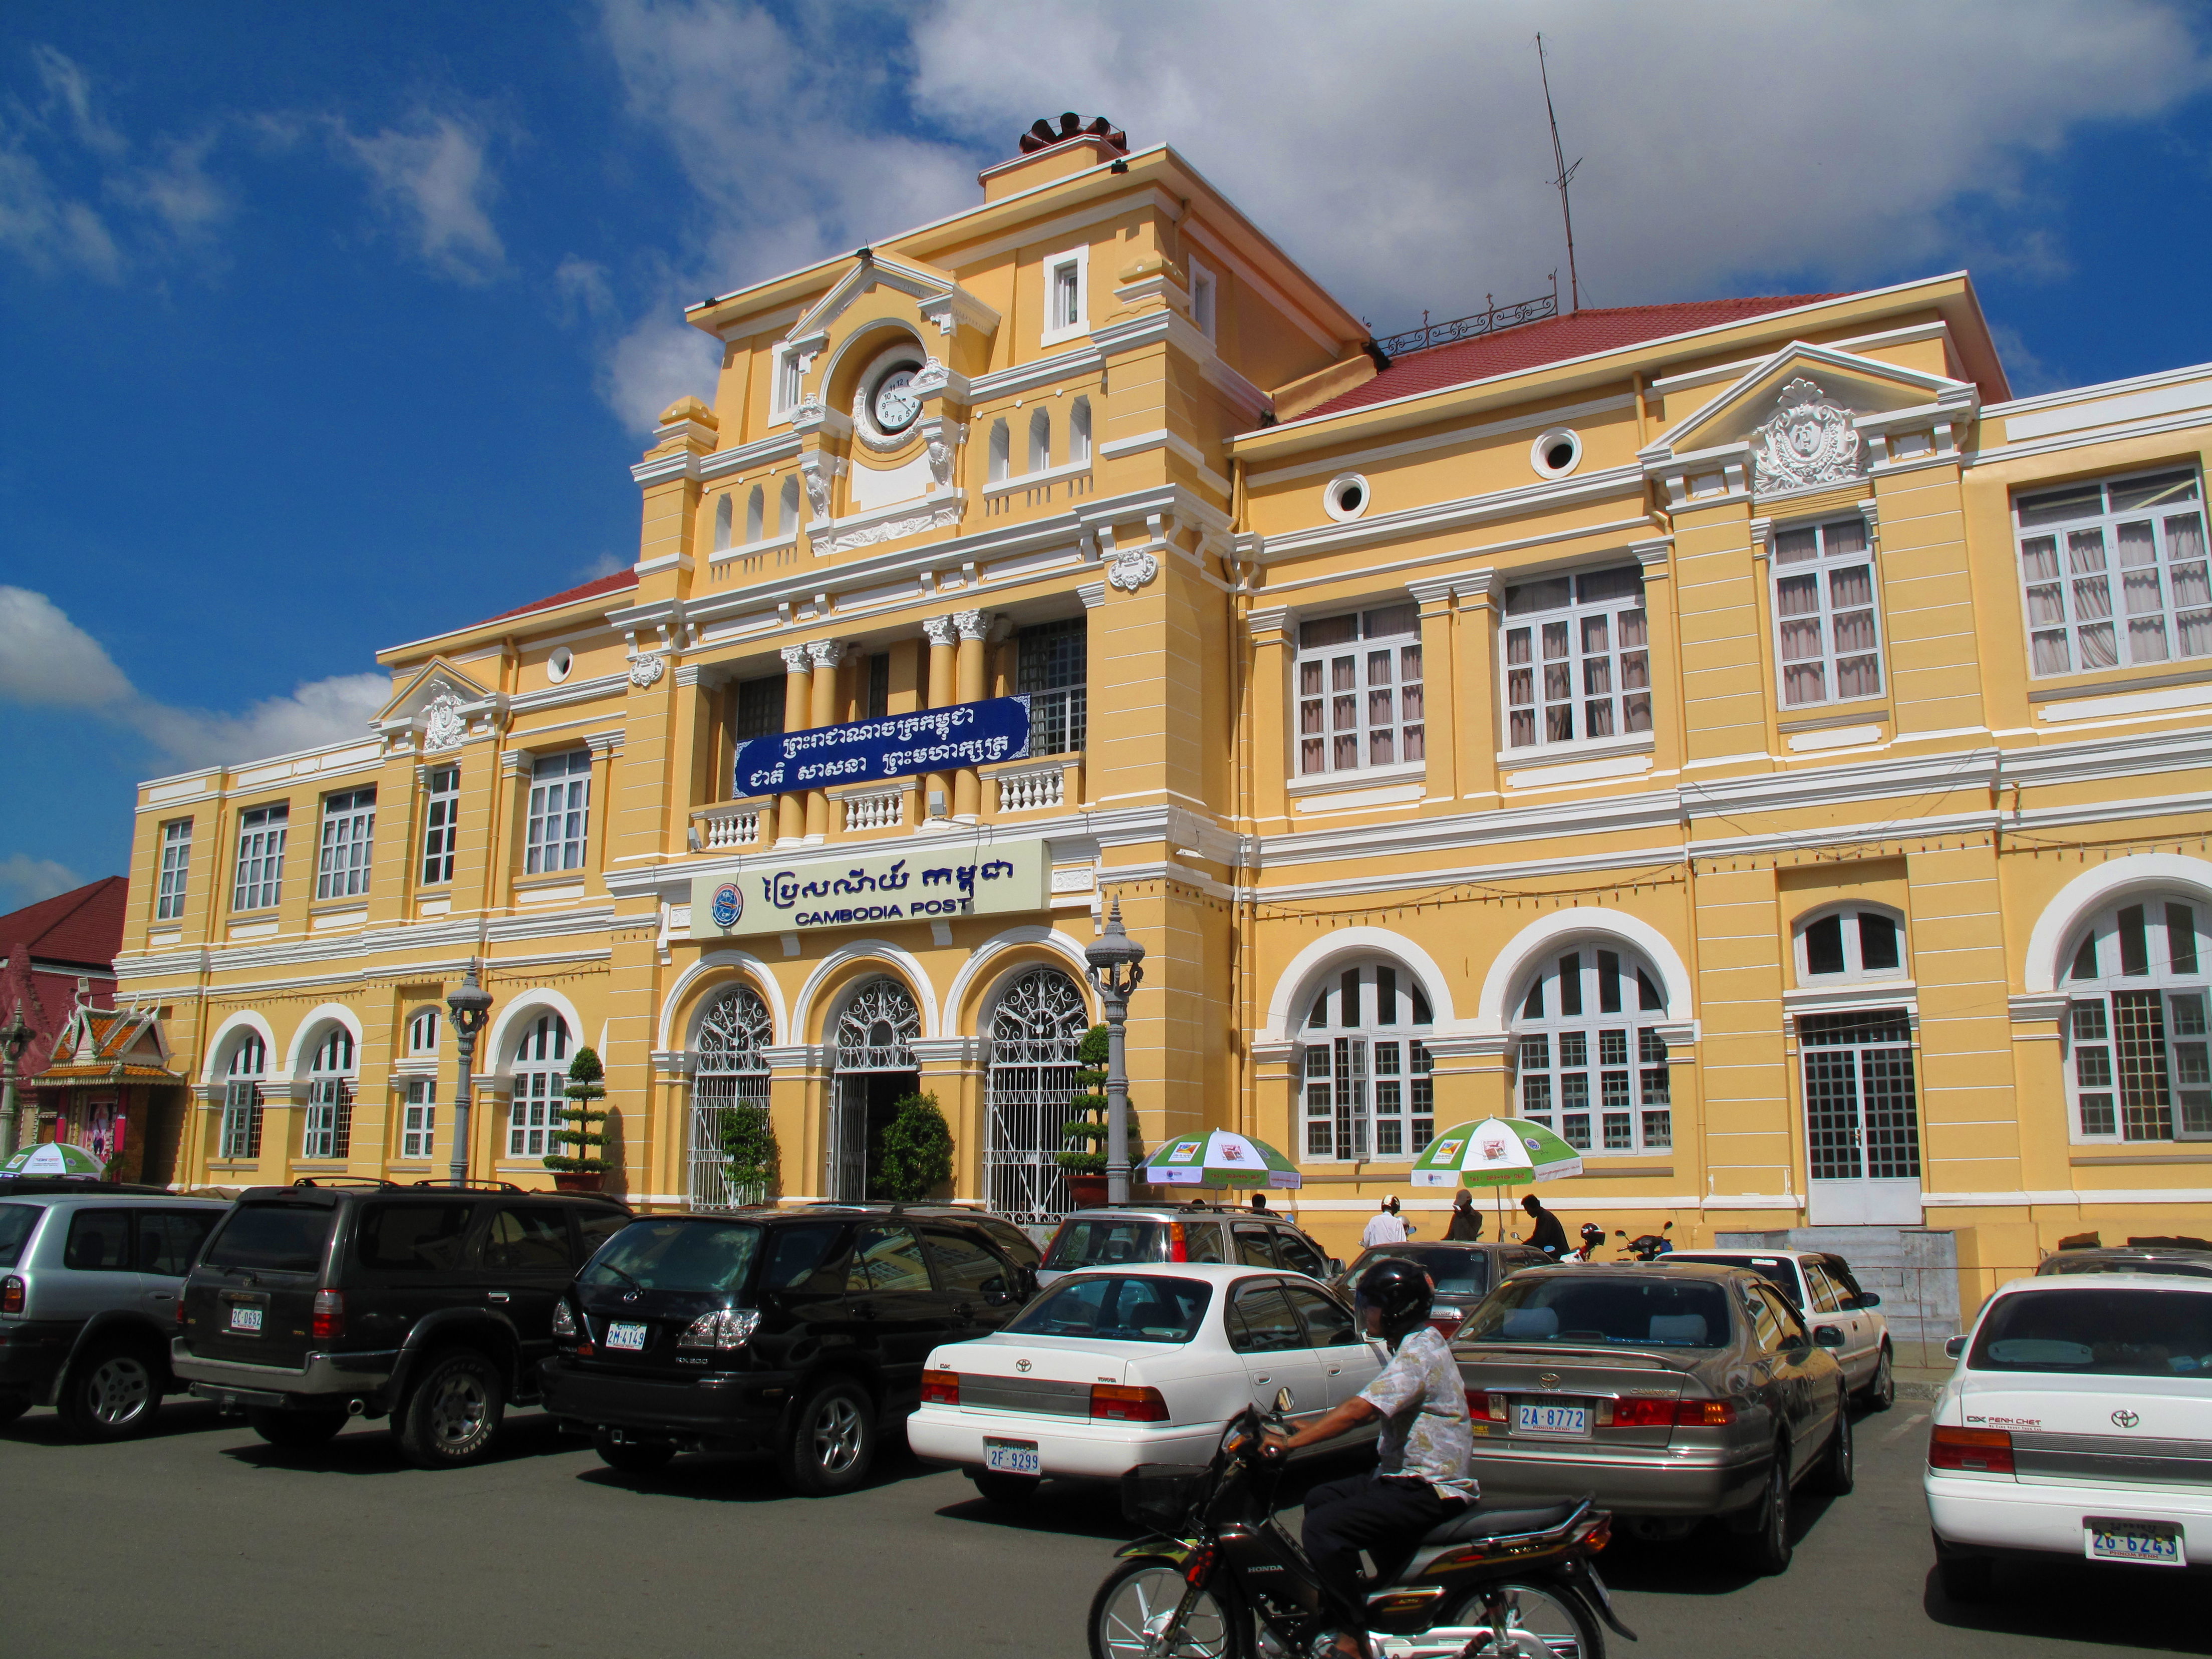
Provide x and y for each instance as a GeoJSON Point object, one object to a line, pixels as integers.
{"type": "Point", "coordinates": [1052, 149]}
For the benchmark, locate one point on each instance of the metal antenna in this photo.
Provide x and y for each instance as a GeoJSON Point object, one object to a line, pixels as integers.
{"type": "Point", "coordinates": [1565, 174]}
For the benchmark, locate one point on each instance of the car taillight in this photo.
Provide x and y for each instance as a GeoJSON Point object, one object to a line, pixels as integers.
{"type": "Point", "coordinates": [564, 1321]}
{"type": "Point", "coordinates": [329, 1320]}
{"type": "Point", "coordinates": [1982, 1451]}
{"type": "Point", "coordinates": [940, 1388]}
{"type": "Point", "coordinates": [1116, 1404]}
{"type": "Point", "coordinates": [11, 1295]}
{"type": "Point", "coordinates": [1446, 1319]}
{"type": "Point", "coordinates": [724, 1330]}
{"type": "Point", "coordinates": [1177, 1249]}
{"type": "Point", "coordinates": [1642, 1415]}
{"type": "Point", "coordinates": [1703, 1413]}
{"type": "Point", "coordinates": [1489, 1408]}
{"type": "Point", "coordinates": [180, 1310]}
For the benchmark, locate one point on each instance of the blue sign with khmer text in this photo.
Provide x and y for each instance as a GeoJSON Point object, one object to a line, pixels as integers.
{"type": "Point", "coordinates": [893, 746]}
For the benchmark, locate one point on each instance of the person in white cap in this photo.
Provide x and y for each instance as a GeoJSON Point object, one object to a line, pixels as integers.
{"type": "Point", "coordinates": [1385, 1228]}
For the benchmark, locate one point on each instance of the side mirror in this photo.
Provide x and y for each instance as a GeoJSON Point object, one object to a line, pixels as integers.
{"type": "Point", "coordinates": [1867, 1299]}
{"type": "Point", "coordinates": [1336, 1267]}
{"type": "Point", "coordinates": [1283, 1401]}
{"type": "Point", "coordinates": [1953, 1347]}
{"type": "Point", "coordinates": [1828, 1336]}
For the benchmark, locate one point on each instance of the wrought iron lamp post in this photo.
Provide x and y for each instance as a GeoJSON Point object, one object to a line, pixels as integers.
{"type": "Point", "coordinates": [14, 1037]}
{"type": "Point", "coordinates": [471, 1007]}
{"type": "Point", "coordinates": [1115, 971]}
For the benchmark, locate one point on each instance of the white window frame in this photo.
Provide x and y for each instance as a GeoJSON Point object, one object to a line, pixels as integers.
{"type": "Point", "coordinates": [442, 807]}
{"type": "Point", "coordinates": [2174, 994]}
{"type": "Point", "coordinates": [2054, 577]}
{"type": "Point", "coordinates": [558, 833]}
{"type": "Point", "coordinates": [1571, 1054]}
{"type": "Point", "coordinates": [1323, 705]}
{"type": "Point", "coordinates": [1204, 298]}
{"type": "Point", "coordinates": [326, 1132]}
{"type": "Point", "coordinates": [176, 866]}
{"type": "Point", "coordinates": [1822, 567]}
{"type": "Point", "coordinates": [1077, 259]}
{"type": "Point", "coordinates": [348, 843]}
{"type": "Point", "coordinates": [1365, 1082]}
{"type": "Point", "coordinates": [418, 1123]}
{"type": "Point", "coordinates": [538, 1084]}
{"type": "Point", "coordinates": [1615, 677]}
{"type": "Point", "coordinates": [259, 882]}
{"type": "Point", "coordinates": [786, 383]}
{"type": "Point", "coordinates": [423, 1027]}
{"type": "Point", "coordinates": [1854, 970]}
{"type": "Point", "coordinates": [241, 1133]}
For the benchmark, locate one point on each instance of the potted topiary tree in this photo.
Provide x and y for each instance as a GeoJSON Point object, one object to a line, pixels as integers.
{"type": "Point", "coordinates": [752, 1160]}
{"type": "Point", "coordinates": [917, 1151]}
{"type": "Point", "coordinates": [1084, 1162]}
{"type": "Point", "coordinates": [585, 1170]}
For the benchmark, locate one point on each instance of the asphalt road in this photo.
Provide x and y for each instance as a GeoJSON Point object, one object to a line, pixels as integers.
{"type": "Point", "coordinates": [201, 1539]}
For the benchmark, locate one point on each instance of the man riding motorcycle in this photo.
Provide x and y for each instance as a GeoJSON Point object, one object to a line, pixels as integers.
{"type": "Point", "coordinates": [1421, 1475]}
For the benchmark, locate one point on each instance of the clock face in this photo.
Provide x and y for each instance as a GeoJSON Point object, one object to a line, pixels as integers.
{"type": "Point", "coordinates": [896, 405]}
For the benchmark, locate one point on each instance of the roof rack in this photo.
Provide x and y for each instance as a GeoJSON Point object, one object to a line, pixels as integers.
{"type": "Point", "coordinates": [464, 1186]}
{"type": "Point", "coordinates": [343, 1181]}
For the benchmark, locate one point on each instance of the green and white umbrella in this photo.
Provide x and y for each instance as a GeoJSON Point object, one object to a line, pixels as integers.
{"type": "Point", "coordinates": [53, 1158]}
{"type": "Point", "coordinates": [1219, 1157]}
{"type": "Point", "coordinates": [1496, 1151]}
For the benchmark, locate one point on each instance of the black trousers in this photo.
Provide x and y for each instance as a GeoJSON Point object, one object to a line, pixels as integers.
{"type": "Point", "coordinates": [1387, 1518]}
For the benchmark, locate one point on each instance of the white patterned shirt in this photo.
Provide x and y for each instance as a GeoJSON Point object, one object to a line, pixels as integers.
{"type": "Point", "coordinates": [1424, 1423]}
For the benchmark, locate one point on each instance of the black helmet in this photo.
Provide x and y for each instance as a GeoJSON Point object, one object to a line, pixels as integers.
{"type": "Point", "coordinates": [1400, 1289]}
{"type": "Point", "coordinates": [1592, 1233]}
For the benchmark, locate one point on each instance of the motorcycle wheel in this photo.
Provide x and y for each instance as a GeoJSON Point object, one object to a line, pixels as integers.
{"type": "Point", "coordinates": [1136, 1601]}
{"type": "Point", "coordinates": [1515, 1620]}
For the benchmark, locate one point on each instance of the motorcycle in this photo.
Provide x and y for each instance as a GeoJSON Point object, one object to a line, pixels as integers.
{"type": "Point", "coordinates": [1593, 1238]}
{"type": "Point", "coordinates": [1484, 1585]}
{"type": "Point", "coordinates": [1647, 1247]}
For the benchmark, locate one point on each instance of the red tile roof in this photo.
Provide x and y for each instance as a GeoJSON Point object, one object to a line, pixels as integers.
{"type": "Point", "coordinates": [1554, 340]}
{"type": "Point", "coordinates": [590, 590]}
{"type": "Point", "coordinates": [84, 925]}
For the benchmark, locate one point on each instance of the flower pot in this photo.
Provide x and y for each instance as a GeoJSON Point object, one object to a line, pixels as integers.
{"type": "Point", "coordinates": [578, 1181]}
{"type": "Point", "coordinates": [1087, 1192]}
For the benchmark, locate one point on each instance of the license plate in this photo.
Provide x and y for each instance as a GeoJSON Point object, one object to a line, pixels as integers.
{"type": "Point", "coordinates": [624, 1335]}
{"type": "Point", "coordinates": [1013, 1456]}
{"type": "Point", "coordinates": [2156, 1543]}
{"type": "Point", "coordinates": [245, 1320]}
{"type": "Point", "coordinates": [1559, 1422]}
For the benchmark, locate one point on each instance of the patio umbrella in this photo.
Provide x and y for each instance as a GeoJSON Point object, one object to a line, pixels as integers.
{"type": "Point", "coordinates": [53, 1158]}
{"type": "Point", "coordinates": [1498, 1152]}
{"type": "Point", "coordinates": [1219, 1157]}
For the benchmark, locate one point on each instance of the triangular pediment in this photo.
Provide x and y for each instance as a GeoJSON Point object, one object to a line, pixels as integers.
{"type": "Point", "coordinates": [937, 296]}
{"type": "Point", "coordinates": [1799, 375]}
{"type": "Point", "coordinates": [439, 702]}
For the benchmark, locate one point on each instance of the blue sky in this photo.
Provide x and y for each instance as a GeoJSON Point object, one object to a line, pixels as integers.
{"type": "Point", "coordinates": [322, 328]}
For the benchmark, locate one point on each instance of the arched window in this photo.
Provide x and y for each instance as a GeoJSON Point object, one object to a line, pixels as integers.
{"type": "Point", "coordinates": [1040, 1018]}
{"type": "Point", "coordinates": [1849, 944]}
{"type": "Point", "coordinates": [241, 1097]}
{"type": "Point", "coordinates": [1039, 439]}
{"type": "Point", "coordinates": [422, 1033]}
{"type": "Point", "coordinates": [721, 522]}
{"type": "Point", "coordinates": [418, 1112]}
{"type": "Point", "coordinates": [329, 1129]}
{"type": "Point", "coordinates": [1001, 451]}
{"type": "Point", "coordinates": [729, 1071]}
{"type": "Point", "coordinates": [2135, 1024]}
{"type": "Point", "coordinates": [875, 1037]}
{"type": "Point", "coordinates": [541, 1082]}
{"type": "Point", "coordinates": [1078, 433]}
{"type": "Point", "coordinates": [1588, 1062]}
{"type": "Point", "coordinates": [787, 522]}
{"type": "Point", "coordinates": [875, 1028]}
{"type": "Point", "coordinates": [756, 516]}
{"type": "Point", "coordinates": [1368, 1090]}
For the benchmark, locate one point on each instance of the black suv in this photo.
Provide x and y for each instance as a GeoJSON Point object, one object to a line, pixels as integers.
{"type": "Point", "coordinates": [798, 1333]}
{"type": "Point", "coordinates": [312, 1302]}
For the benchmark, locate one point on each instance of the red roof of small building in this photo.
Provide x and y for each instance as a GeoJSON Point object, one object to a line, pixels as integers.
{"type": "Point", "coordinates": [1554, 340]}
{"type": "Point", "coordinates": [590, 590]}
{"type": "Point", "coordinates": [75, 932]}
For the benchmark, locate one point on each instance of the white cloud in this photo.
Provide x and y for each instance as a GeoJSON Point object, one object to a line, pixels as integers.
{"type": "Point", "coordinates": [47, 230]}
{"type": "Point", "coordinates": [431, 172]}
{"type": "Point", "coordinates": [582, 287]}
{"type": "Point", "coordinates": [47, 660]}
{"type": "Point", "coordinates": [71, 88]}
{"type": "Point", "coordinates": [26, 880]}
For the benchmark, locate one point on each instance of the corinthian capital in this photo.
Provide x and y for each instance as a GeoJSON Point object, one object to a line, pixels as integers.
{"type": "Point", "coordinates": [827, 653]}
{"type": "Point", "coordinates": [795, 659]}
{"type": "Point", "coordinates": [939, 630]}
{"type": "Point", "coordinates": [972, 624]}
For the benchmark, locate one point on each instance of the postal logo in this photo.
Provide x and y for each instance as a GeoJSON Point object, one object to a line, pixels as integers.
{"type": "Point", "coordinates": [729, 904]}
{"type": "Point", "coordinates": [1184, 1153]}
{"type": "Point", "coordinates": [1447, 1149]}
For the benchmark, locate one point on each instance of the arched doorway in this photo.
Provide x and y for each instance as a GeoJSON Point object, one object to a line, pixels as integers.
{"type": "Point", "coordinates": [729, 1071]}
{"type": "Point", "coordinates": [1040, 1020]}
{"type": "Point", "coordinates": [876, 1068]}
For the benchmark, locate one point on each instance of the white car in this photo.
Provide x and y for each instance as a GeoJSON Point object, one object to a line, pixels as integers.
{"type": "Point", "coordinates": [1111, 1367]}
{"type": "Point", "coordinates": [2078, 1422]}
{"type": "Point", "coordinates": [1820, 1286]}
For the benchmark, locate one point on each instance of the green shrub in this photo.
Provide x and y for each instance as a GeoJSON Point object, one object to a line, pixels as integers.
{"type": "Point", "coordinates": [755, 1161]}
{"type": "Point", "coordinates": [917, 1153]}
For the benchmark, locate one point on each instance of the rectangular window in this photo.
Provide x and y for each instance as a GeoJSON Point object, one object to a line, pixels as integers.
{"type": "Point", "coordinates": [1605, 1088]}
{"type": "Point", "coordinates": [1827, 644]}
{"type": "Point", "coordinates": [440, 828]}
{"type": "Point", "coordinates": [329, 1127]}
{"type": "Point", "coordinates": [1359, 691]}
{"type": "Point", "coordinates": [2113, 574]}
{"type": "Point", "coordinates": [760, 707]}
{"type": "Point", "coordinates": [1202, 290]}
{"type": "Point", "coordinates": [419, 1120]}
{"type": "Point", "coordinates": [1861, 1115]}
{"type": "Point", "coordinates": [1066, 306]}
{"type": "Point", "coordinates": [2139, 1065]}
{"type": "Point", "coordinates": [560, 812]}
{"type": "Point", "coordinates": [349, 831]}
{"type": "Point", "coordinates": [784, 383]}
{"type": "Point", "coordinates": [1578, 670]}
{"type": "Point", "coordinates": [878, 701]}
{"type": "Point", "coordinates": [1052, 670]}
{"type": "Point", "coordinates": [241, 1119]}
{"type": "Point", "coordinates": [176, 859]}
{"type": "Point", "coordinates": [260, 858]}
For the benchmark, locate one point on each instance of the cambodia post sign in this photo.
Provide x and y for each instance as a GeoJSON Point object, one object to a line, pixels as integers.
{"type": "Point", "coordinates": [894, 746]}
{"type": "Point", "coordinates": [955, 877]}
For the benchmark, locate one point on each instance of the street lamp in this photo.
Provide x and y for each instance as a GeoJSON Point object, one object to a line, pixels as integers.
{"type": "Point", "coordinates": [471, 1007]}
{"type": "Point", "coordinates": [14, 1037]}
{"type": "Point", "coordinates": [1115, 972]}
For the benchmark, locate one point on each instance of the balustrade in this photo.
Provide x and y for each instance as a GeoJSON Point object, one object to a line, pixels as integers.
{"type": "Point", "coordinates": [881, 810]}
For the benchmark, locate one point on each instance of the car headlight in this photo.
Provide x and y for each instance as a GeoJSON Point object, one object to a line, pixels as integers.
{"type": "Point", "coordinates": [725, 1329]}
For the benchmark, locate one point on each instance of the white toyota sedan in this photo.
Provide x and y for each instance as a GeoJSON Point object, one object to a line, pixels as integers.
{"type": "Point", "coordinates": [1111, 1367]}
{"type": "Point", "coordinates": [2078, 1422]}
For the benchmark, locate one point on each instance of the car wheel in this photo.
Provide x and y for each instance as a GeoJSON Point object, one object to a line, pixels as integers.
{"type": "Point", "coordinates": [1000, 1487]}
{"type": "Point", "coordinates": [296, 1430]}
{"type": "Point", "coordinates": [630, 1457]}
{"type": "Point", "coordinates": [1837, 1473]}
{"type": "Point", "coordinates": [1132, 1608]}
{"type": "Point", "coordinates": [1964, 1578]}
{"type": "Point", "coordinates": [113, 1393]}
{"type": "Point", "coordinates": [1881, 1393]}
{"type": "Point", "coordinates": [833, 1441]}
{"type": "Point", "coordinates": [452, 1417]}
{"type": "Point", "coordinates": [13, 1405]}
{"type": "Point", "coordinates": [1766, 1548]}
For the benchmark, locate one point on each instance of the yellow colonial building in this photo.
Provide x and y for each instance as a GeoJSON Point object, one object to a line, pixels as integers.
{"type": "Point", "coordinates": [1739, 734]}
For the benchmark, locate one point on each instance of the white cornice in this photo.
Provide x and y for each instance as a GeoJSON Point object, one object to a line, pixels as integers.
{"type": "Point", "coordinates": [1438, 516]}
{"type": "Point", "coordinates": [761, 451]}
{"type": "Point", "coordinates": [1555, 416]}
{"type": "Point", "coordinates": [1085, 360]}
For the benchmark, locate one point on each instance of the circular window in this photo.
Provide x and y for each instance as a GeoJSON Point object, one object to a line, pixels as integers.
{"type": "Point", "coordinates": [1346, 497]}
{"type": "Point", "coordinates": [1556, 453]}
{"type": "Point", "coordinates": [559, 663]}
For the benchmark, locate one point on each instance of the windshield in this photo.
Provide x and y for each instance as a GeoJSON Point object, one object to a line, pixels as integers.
{"type": "Point", "coordinates": [1457, 1272]}
{"type": "Point", "coordinates": [2124, 1264]}
{"type": "Point", "coordinates": [280, 1238]}
{"type": "Point", "coordinates": [1107, 1241]}
{"type": "Point", "coordinates": [2109, 1332]}
{"type": "Point", "coordinates": [16, 1221]}
{"type": "Point", "coordinates": [1647, 1311]}
{"type": "Point", "coordinates": [1117, 1307]}
{"type": "Point", "coordinates": [677, 1255]}
{"type": "Point", "coordinates": [1771, 1268]}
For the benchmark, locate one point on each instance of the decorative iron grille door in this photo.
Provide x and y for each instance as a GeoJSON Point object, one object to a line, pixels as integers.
{"type": "Point", "coordinates": [1034, 1035]}
{"type": "Point", "coordinates": [1861, 1117]}
{"type": "Point", "coordinates": [875, 1033]}
{"type": "Point", "coordinates": [729, 1071]}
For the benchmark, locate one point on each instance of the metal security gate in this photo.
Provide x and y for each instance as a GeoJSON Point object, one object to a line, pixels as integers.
{"type": "Point", "coordinates": [728, 1071]}
{"type": "Point", "coordinates": [875, 1035]}
{"type": "Point", "coordinates": [1040, 1020]}
{"type": "Point", "coordinates": [1862, 1118]}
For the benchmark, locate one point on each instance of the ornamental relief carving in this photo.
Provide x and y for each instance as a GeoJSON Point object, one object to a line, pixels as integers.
{"type": "Point", "coordinates": [889, 530]}
{"type": "Point", "coordinates": [1131, 571]}
{"type": "Point", "coordinates": [442, 725]}
{"type": "Point", "coordinates": [646, 671]}
{"type": "Point", "coordinates": [1809, 440]}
